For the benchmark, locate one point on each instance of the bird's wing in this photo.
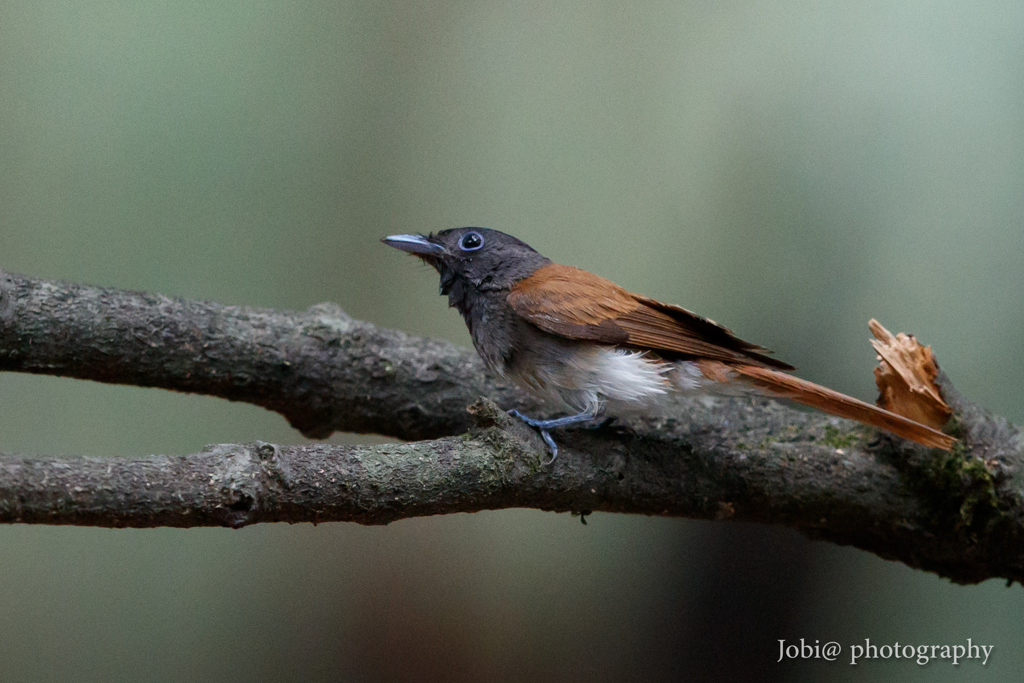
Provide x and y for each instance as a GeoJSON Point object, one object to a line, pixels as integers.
{"type": "Point", "coordinates": [575, 304]}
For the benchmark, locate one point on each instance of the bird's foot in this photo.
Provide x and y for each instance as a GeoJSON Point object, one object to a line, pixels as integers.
{"type": "Point", "coordinates": [544, 425]}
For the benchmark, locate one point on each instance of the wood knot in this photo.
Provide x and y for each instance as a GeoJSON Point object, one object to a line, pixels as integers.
{"type": "Point", "coordinates": [487, 414]}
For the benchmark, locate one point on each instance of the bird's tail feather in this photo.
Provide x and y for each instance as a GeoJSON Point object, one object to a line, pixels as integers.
{"type": "Point", "coordinates": [780, 385]}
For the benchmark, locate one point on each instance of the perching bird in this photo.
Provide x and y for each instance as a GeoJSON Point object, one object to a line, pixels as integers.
{"type": "Point", "coordinates": [570, 336]}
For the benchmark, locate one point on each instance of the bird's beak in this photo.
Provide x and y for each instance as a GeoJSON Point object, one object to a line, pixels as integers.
{"type": "Point", "coordinates": [415, 244]}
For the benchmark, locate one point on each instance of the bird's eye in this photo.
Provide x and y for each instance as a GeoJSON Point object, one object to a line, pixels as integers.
{"type": "Point", "coordinates": [471, 241]}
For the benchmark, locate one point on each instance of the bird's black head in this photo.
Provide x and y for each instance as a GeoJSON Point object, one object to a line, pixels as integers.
{"type": "Point", "coordinates": [479, 258]}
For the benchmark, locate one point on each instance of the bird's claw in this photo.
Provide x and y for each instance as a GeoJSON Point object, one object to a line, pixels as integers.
{"type": "Point", "coordinates": [551, 445]}
{"type": "Point", "coordinates": [544, 425]}
{"type": "Point", "coordinates": [544, 433]}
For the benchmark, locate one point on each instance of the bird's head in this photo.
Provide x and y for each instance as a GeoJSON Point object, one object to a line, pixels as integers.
{"type": "Point", "coordinates": [480, 258]}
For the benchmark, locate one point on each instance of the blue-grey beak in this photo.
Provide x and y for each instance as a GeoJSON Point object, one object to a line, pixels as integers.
{"type": "Point", "coordinates": [414, 244]}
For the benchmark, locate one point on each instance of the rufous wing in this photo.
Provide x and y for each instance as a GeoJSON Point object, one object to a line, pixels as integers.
{"type": "Point", "coordinates": [575, 304]}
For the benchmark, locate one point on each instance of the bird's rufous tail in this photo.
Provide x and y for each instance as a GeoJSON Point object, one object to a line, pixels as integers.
{"type": "Point", "coordinates": [780, 385]}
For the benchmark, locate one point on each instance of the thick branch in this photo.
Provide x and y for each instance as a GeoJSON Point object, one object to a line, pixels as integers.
{"type": "Point", "coordinates": [322, 370]}
{"type": "Point", "coordinates": [958, 514]}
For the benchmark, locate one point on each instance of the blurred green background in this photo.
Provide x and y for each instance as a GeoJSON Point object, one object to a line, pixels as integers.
{"type": "Point", "coordinates": [789, 168]}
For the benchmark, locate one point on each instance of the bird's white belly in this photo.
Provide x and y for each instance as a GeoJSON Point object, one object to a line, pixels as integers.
{"type": "Point", "coordinates": [591, 376]}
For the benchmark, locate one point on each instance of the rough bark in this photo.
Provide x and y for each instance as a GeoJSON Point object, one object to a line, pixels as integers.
{"type": "Point", "coordinates": [958, 514]}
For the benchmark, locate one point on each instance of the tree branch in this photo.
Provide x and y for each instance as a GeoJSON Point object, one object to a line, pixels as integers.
{"type": "Point", "coordinates": [322, 370]}
{"type": "Point", "coordinates": [958, 514]}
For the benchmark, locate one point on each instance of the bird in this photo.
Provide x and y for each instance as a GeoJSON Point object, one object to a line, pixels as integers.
{"type": "Point", "coordinates": [585, 344]}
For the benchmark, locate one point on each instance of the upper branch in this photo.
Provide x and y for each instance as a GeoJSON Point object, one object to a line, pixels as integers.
{"type": "Point", "coordinates": [322, 370]}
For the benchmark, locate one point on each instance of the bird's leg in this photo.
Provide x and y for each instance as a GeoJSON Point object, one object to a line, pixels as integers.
{"type": "Point", "coordinates": [544, 425]}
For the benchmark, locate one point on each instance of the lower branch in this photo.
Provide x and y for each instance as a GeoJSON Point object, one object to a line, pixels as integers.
{"type": "Point", "coordinates": [900, 504]}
